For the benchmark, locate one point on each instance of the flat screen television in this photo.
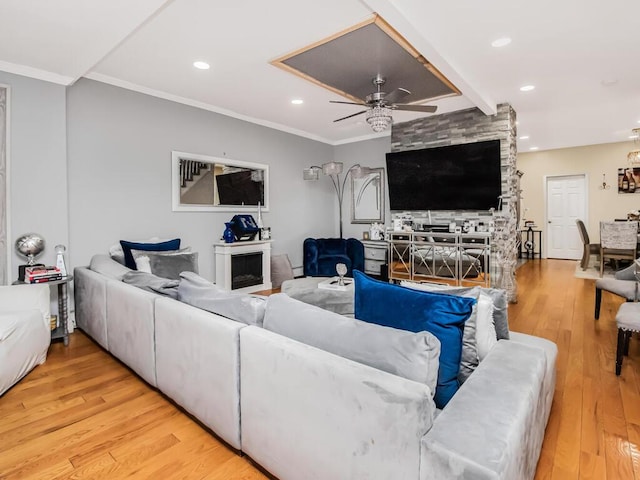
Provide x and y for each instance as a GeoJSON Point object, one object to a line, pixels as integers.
{"type": "Point", "coordinates": [455, 177]}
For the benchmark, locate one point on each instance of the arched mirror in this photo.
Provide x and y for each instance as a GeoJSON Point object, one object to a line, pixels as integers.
{"type": "Point", "coordinates": [367, 197]}
{"type": "Point", "coordinates": [203, 183]}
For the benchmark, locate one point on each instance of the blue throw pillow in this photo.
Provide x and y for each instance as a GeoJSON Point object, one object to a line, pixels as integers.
{"type": "Point", "coordinates": [406, 309]}
{"type": "Point", "coordinates": [148, 247]}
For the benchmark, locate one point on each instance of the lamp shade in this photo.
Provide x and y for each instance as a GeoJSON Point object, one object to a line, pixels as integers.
{"type": "Point", "coordinates": [332, 168]}
{"type": "Point", "coordinates": [311, 173]}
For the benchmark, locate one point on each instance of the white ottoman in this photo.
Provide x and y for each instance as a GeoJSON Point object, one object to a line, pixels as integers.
{"type": "Point", "coordinates": [306, 290]}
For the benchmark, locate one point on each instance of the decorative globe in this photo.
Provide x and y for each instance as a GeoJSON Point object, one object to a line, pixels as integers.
{"type": "Point", "coordinates": [30, 245]}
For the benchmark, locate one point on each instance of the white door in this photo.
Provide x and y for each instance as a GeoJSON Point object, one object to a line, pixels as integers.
{"type": "Point", "coordinates": [566, 202]}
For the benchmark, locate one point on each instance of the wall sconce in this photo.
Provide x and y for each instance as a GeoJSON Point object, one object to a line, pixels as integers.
{"type": "Point", "coordinates": [333, 171]}
{"type": "Point", "coordinates": [605, 185]}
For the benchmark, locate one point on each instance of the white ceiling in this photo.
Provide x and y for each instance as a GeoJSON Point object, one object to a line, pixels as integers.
{"type": "Point", "coordinates": [569, 50]}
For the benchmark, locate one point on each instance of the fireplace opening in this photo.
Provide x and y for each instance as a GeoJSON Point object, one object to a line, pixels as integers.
{"type": "Point", "coordinates": [246, 270]}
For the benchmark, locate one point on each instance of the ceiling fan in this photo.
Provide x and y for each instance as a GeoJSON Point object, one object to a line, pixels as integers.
{"type": "Point", "coordinates": [380, 104]}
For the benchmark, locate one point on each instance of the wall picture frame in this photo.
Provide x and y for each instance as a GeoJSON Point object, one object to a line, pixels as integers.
{"type": "Point", "coordinates": [367, 197]}
{"type": "Point", "coordinates": [628, 180]}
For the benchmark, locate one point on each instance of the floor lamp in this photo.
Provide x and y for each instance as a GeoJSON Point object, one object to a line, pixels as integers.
{"type": "Point", "coordinates": [333, 171]}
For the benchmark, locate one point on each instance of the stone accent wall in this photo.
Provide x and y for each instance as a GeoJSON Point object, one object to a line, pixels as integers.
{"type": "Point", "coordinates": [4, 183]}
{"type": "Point", "coordinates": [468, 126]}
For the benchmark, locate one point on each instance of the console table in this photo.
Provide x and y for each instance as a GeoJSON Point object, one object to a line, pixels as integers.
{"type": "Point", "coordinates": [530, 243]}
{"type": "Point", "coordinates": [459, 257]}
{"type": "Point", "coordinates": [243, 266]}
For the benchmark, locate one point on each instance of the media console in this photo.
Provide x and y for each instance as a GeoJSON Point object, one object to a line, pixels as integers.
{"type": "Point", "coordinates": [460, 258]}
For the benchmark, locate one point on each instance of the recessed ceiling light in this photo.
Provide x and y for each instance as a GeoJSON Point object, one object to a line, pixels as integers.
{"type": "Point", "coordinates": [527, 88]}
{"type": "Point", "coordinates": [501, 42]}
{"type": "Point", "coordinates": [297, 101]}
{"type": "Point", "coordinates": [524, 137]}
{"type": "Point", "coordinates": [533, 148]}
{"type": "Point", "coordinates": [201, 65]}
{"type": "Point", "coordinates": [609, 82]}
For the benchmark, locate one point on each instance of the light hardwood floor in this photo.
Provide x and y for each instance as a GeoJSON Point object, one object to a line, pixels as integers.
{"type": "Point", "coordinates": [84, 415]}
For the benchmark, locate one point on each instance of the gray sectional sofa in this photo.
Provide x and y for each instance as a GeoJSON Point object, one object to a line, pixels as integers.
{"type": "Point", "coordinates": [304, 413]}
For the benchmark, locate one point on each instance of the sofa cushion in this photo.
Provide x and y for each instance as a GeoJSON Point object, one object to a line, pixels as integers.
{"type": "Point", "coordinates": [152, 283]}
{"type": "Point", "coordinates": [399, 307]}
{"type": "Point", "coordinates": [151, 247]}
{"type": "Point", "coordinates": [108, 267]}
{"type": "Point", "coordinates": [410, 355]}
{"type": "Point", "coordinates": [201, 293]}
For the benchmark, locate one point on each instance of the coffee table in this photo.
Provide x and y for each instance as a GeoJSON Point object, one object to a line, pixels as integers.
{"type": "Point", "coordinates": [306, 290]}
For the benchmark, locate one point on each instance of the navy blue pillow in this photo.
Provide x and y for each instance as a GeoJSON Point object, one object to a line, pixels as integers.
{"type": "Point", "coordinates": [416, 311]}
{"type": "Point", "coordinates": [147, 247]}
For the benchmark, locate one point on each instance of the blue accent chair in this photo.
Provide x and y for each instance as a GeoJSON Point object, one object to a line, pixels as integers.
{"type": "Point", "coordinates": [322, 254]}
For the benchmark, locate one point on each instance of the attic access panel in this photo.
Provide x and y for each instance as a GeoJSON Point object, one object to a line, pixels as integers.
{"type": "Point", "coordinates": [347, 63]}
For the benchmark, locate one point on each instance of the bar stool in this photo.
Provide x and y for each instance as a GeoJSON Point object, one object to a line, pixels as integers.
{"type": "Point", "coordinates": [628, 321]}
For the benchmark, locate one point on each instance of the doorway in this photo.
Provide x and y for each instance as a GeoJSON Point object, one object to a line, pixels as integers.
{"type": "Point", "coordinates": [566, 201]}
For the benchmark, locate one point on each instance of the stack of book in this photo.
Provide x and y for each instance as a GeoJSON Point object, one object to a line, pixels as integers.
{"type": "Point", "coordinates": [41, 274]}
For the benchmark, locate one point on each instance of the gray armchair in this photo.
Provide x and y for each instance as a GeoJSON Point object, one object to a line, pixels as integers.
{"type": "Point", "coordinates": [623, 285]}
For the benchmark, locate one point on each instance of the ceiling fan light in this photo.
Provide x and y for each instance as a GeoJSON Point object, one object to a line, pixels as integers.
{"type": "Point", "coordinates": [634, 157]}
{"type": "Point", "coordinates": [379, 118]}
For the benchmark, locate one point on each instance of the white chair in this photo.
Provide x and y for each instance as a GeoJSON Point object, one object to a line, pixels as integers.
{"type": "Point", "coordinates": [25, 333]}
{"type": "Point", "coordinates": [618, 241]}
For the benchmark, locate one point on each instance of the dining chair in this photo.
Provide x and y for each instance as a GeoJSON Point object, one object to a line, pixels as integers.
{"type": "Point", "coordinates": [588, 247]}
{"type": "Point", "coordinates": [618, 241]}
{"type": "Point", "coordinates": [628, 321]}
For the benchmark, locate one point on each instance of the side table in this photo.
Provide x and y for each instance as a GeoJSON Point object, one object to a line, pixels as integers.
{"type": "Point", "coordinates": [61, 330]}
{"type": "Point", "coordinates": [375, 258]}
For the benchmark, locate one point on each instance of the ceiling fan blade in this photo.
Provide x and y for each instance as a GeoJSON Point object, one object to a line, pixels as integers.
{"type": "Point", "coordinates": [347, 103]}
{"type": "Point", "coordinates": [397, 94]}
{"type": "Point", "coordinates": [349, 116]}
{"type": "Point", "coordinates": [415, 108]}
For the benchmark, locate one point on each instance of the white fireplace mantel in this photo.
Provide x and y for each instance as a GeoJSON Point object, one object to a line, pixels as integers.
{"type": "Point", "coordinates": [224, 252]}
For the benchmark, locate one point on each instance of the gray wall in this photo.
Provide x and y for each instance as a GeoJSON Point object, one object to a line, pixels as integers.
{"type": "Point", "coordinates": [119, 154]}
{"type": "Point", "coordinates": [38, 164]}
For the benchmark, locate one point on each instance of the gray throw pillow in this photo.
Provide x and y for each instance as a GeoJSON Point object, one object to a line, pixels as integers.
{"type": "Point", "coordinates": [410, 355]}
{"type": "Point", "coordinates": [173, 264]}
{"type": "Point", "coordinates": [281, 270]}
{"type": "Point", "coordinates": [152, 283]}
{"type": "Point", "coordinates": [201, 293]}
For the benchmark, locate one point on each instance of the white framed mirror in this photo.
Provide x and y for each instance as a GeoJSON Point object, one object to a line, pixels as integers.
{"type": "Point", "coordinates": [201, 183]}
{"type": "Point", "coordinates": [367, 197]}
